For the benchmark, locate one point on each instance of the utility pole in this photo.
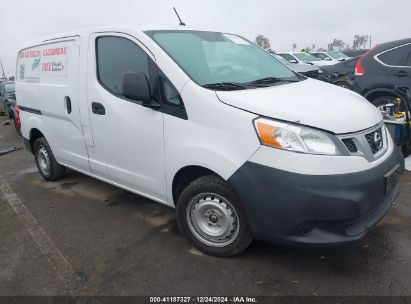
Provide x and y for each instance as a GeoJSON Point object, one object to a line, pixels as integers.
{"type": "Point", "coordinates": [370, 41]}
{"type": "Point", "coordinates": [1, 64]}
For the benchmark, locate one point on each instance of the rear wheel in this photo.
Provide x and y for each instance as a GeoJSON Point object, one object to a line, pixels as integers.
{"type": "Point", "coordinates": [46, 163]}
{"type": "Point", "coordinates": [210, 214]}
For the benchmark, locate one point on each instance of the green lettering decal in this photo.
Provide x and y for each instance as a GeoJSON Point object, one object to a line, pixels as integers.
{"type": "Point", "coordinates": [36, 64]}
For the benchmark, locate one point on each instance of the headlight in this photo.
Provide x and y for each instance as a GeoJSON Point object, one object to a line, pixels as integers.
{"type": "Point", "coordinates": [296, 138]}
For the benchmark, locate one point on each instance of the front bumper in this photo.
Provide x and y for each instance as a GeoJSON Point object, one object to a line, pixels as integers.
{"type": "Point", "coordinates": [292, 208]}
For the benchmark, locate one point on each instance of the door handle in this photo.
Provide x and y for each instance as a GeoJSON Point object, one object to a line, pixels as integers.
{"type": "Point", "coordinates": [67, 101]}
{"type": "Point", "coordinates": [98, 108]}
{"type": "Point", "coordinates": [401, 74]}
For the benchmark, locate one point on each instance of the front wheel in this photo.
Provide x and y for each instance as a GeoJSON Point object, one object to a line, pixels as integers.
{"type": "Point", "coordinates": [209, 213]}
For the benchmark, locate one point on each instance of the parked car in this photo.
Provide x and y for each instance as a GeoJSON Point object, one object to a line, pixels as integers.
{"type": "Point", "coordinates": [308, 70]}
{"type": "Point", "coordinates": [341, 74]}
{"type": "Point", "coordinates": [333, 56]}
{"type": "Point", "coordinates": [2, 107]}
{"type": "Point", "coordinates": [302, 57]}
{"type": "Point", "coordinates": [7, 97]}
{"type": "Point", "coordinates": [355, 53]}
{"type": "Point", "coordinates": [383, 68]}
{"type": "Point", "coordinates": [212, 125]}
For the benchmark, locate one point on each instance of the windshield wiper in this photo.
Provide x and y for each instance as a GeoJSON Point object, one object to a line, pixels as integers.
{"type": "Point", "coordinates": [225, 86]}
{"type": "Point", "coordinates": [271, 80]}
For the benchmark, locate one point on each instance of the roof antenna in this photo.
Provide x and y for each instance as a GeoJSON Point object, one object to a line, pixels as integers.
{"type": "Point", "coordinates": [181, 22]}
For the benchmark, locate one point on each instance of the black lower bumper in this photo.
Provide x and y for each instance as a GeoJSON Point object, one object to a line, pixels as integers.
{"type": "Point", "coordinates": [291, 208]}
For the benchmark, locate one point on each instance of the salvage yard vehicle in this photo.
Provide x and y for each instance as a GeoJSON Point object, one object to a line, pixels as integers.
{"type": "Point", "coordinates": [383, 68]}
{"type": "Point", "coordinates": [212, 125]}
{"type": "Point", "coordinates": [308, 70]}
{"type": "Point", "coordinates": [341, 74]}
{"type": "Point", "coordinates": [302, 57]}
{"type": "Point", "coordinates": [330, 56]}
{"type": "Point", "coordinates": [7, 97]}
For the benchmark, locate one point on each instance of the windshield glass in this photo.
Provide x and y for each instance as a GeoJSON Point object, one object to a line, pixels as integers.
{"type": "Point", "coordinates": [9, 87]}
{"type": "Point", "coordinates": [337, 55]}
{"type": "Point", "coordinates": [215, 58]}
{"type": "Point", "coordinates": [305, 57]}
{"type": "Point", "coordinates": [282, 60]}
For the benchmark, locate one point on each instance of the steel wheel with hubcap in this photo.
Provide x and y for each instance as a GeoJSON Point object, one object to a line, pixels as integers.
{"type": "Point", "coordinates": [213, 219]}
{"type": "Point", "coordinates": [210, 214]}
{"type": "Point", "coordinates": [43, 160]}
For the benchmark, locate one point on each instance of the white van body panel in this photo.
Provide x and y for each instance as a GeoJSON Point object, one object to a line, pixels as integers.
{"type": "Point", "coordinates": [129, 139]}
{"type": "Point", "coordinates": [291, 102]}
{"type": "Point", "coordinates": [52, 78]}
{"type": "Point", "coordinates": [215, 136]}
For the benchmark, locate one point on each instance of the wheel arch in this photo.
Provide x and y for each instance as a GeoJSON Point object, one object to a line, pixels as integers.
{"type": "Point", "coordinates": [185, 175]}
{"type": "Point", "coordinates": [376, 93]}
{"type": "Point", "coordinates": [33, 136]}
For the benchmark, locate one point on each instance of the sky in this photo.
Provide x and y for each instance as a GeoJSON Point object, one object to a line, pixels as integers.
{"type": "Point", "coordinates": [304, 22]}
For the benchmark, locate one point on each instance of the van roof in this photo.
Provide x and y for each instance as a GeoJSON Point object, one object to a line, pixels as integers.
{"type": "Point", "coordinates": [111, 28]}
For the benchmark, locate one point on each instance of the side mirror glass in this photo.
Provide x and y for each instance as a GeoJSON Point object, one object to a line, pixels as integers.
{"type": "Point", "coordinates": [293, 61]}
{"type": "Point", "coordinates": [136, 87]}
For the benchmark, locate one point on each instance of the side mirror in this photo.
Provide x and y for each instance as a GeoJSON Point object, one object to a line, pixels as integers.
{"type": "Point", "coordinates": [293, 61]}
{"type": "Point", "coordinates": [136, 88]}
{"type": "Point", "coordinates": [327, 59]}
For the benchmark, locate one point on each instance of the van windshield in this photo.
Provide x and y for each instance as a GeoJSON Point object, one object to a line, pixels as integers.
{"type": "Point", "coordinates": [212, 59]}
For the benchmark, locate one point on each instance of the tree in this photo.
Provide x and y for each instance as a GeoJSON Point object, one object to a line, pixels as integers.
{"type": "Point", "coordinates": [294, 46]}
{"type": "Point", "coordinates": [313, 47]}
{"type": "Point", "coordinates": [263, 42]}
{"type": "Point", "coordinates": [337, 44]}
{"type": "Point", "coordinates": [360, 41]}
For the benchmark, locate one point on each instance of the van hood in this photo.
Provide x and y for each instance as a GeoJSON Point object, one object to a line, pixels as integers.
{"type": "Point", "coordinates": [308, 102]}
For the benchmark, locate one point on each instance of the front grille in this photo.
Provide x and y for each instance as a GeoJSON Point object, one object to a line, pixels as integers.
{"type": "Point", "coordinates": [349, 143]}
{"type": "Point", "coordinates": [375, 140]}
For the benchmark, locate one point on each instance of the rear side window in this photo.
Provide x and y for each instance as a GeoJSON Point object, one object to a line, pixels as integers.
{"type": "Point", "coordinates": [395, 57]}
{"type": "Point", "coordinates": [115, 56]}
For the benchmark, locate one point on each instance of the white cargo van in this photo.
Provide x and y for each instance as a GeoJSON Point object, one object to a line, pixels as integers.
{"type": "Point", "coordinates": [212, 125]}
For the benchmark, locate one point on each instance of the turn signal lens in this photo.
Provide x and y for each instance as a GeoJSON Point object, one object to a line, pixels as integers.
{"type": "Point", "coordinates": [267, 134]}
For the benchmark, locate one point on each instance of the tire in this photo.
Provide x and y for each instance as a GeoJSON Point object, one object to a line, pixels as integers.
{"type": "Point", "coordinates": [210, 214]}
{"type": "Point", "coordinates": [48, 167]}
